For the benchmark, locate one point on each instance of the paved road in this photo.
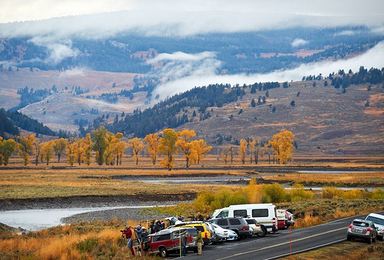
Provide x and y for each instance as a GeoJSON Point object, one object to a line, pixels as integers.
{"type": "Point", "coordinates": [278, 245]}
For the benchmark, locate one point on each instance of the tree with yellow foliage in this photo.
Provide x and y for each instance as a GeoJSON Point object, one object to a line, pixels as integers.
{"type": "Point", "coordinates": [87, 145]}
{"type": "Point", "coordinates": [153, 142]}
{"type": "Point", "coordinates": [137, 145]}
{"type": "Point", "coordinates": [79, 152]}
{"type": "Point", "coordinates": [243, 150]}
{"type": "Point", "coordinates": [120, 148]}
{"type": "Point", "coordinates": [71, 151]}
{"type": "Point", "coordinates": [59, 146]}
{"type": "Point", "coordinates": [100, 143]}
{"type": "Point", "coordinates": [7, 147]}
{"type": "Point", "coordinates": [185, 145]}
{"type": "Point", "coordinates": [111, 153]}
{"type": "Point", "coordinates": [25, 147]}
{"type": "Point", "coordinates": [47, 151]}
{"type": "Point", "coordinates": [201, 149]}
{"type": "Point", "coordinates": [168, 147]}
{"type": "Point", "coordinates": [282, 145]}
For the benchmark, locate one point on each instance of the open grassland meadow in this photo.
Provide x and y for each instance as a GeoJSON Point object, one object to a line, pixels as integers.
{"type": "Point", "coordinates": [27, 186]}
{"type": "Point", "coordinates": [115, 113]}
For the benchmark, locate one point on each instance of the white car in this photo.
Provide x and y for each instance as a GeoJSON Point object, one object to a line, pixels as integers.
{"type": "Point", "coordinates": [228, 234]}
{"type": "Point", "coordinates": [378, 220]}
{"type": "Point", "coordinates": [256, 227]}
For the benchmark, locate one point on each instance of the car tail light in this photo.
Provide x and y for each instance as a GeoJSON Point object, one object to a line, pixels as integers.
{"type": "Point", "coordinates": [274, 221]}
{"type": "Point", "coordinates": [206, 235]}
{"type": "Point", "coordinates": [257, 225]}
{"type": "Point", "coordinates": [350, 226]}
{"type": "Point", "coordinates": [369, 229]}
{"type": "Point", "coordinates": [243, 227]}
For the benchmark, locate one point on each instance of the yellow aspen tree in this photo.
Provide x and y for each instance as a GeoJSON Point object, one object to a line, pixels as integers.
{"type": "Point", "coordinates": [282, 145]}
{"type": "Point", "coordinates": [59, 146]}
{"type": "Point", "coordinates": [243, 150]}
{"type": "Point", "coordinates": [120, 148]}
{"type": "Point", "coordinates": [254, 191]}
{"type": "Point", "coordinates": [26, 147]}
{"type": "Point", "coordinates": [100, 143]}
{"type": "Point", "coordinates": [252, 148]}
{"type": "Point", "coordinates": [168, 148]}
{"type": "Point", "coordinates": [47, 151]}
{"type": "Point", "coordinates": [87, 145]}
{"type": "Point", "coordinates": [71, 151]}
{"type": "Point", "coordinates": [153, 142]}
{"type": "Point", "coordinates": [110, 149]}
{"type": "Point", "coordinates": [137, 145]}
{"type": "Point", "coordinates": [7, 148]}
{"type": "Point", "coordinates": [79, 151]}
{"type": "Point", "coordinates": [201, 149]}
{"type": "Point", "coordinates": [185, 145]}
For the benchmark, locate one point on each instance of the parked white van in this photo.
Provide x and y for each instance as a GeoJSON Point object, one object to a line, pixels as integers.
{"type": "Point", "coordinates": [265, 214]}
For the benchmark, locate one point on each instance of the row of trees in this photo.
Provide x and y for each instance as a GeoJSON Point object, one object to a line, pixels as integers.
{"type": "Point", "coordinates": [281, 146]}
{"type": "Point", "coordinates": [109, 148]}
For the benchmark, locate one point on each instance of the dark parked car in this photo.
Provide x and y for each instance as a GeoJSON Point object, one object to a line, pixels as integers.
{"type": "Point", "coordinates": [239, 225]}
{"type": "Point", "coordinates": [364, 229]}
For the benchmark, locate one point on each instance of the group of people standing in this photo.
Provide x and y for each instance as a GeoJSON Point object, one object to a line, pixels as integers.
{"type": "Point", "coordinates": [141, 233]}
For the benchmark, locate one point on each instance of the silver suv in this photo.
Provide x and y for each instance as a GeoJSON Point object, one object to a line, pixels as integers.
{"type": "Point", "coordinates": [239, 225]}
{"type": "Point", "coordinates": [379, 223]}
{"type": "Point", "coordinates": [360, 228]}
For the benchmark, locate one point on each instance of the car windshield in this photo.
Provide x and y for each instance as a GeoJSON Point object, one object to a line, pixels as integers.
{"type": "Point", "coordinates": [376, 220]}
{"type": "Point", "coordinates": [251, 221]}
{"type": "Point", "coordinates": [360, 224]}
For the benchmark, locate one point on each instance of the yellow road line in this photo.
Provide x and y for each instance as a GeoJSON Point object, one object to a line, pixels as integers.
{"type": "Point", "coordinates": [285, 243]}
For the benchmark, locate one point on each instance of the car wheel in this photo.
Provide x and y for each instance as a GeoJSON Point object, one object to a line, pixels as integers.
{"type": "Point", "coordinates": [263, 233]}
{"type": "Point", "coordinates": [370, 240]}
{"type": "Point", "coordinates": [163, 252]}
{"type": "Point", "coordinates": [349, 238]}
{"type": "Point", "coordinates": [380, 238]}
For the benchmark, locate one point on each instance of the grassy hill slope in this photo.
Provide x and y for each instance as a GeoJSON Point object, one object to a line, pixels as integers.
{"type": "Point", "coordinates": [325, 121]}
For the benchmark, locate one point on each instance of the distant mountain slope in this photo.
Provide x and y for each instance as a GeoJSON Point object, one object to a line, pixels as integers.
{"type": "Point", "coordinates": [11, 121]}
{"type": "Point", "coordinates": [6, 125]}
{"type": "Point", "coordinates": [328, 116]}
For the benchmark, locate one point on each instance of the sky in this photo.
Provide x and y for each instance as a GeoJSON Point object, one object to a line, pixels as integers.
{"type": "Point", "coordinates": [100, 18]}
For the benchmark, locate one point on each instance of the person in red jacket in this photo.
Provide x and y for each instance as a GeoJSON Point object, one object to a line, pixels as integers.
{"type": "Point", "coordinates": [128, 235]}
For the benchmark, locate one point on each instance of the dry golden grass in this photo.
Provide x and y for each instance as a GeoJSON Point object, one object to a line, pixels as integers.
{"type": "Point", "coordinates": [42, 181]}
{"type": "Point", "coordinates": [376, 178]}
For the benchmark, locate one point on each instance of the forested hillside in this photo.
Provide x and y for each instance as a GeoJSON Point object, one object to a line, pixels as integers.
{"type": "Point", "coordinates": [249, 52]}
{"type": "Point", "coordinates": [324, 113]}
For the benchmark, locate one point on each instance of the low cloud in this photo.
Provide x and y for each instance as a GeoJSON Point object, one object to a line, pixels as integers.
{"type": "Point", "coordinates": [87, 19]}
{"type": "Point", "coordinates": [75, 72]}
{"type": "Point", "coordinates": [180, 77]}
{"type": "Point", "coordinates": [58, 51]}
{"type": "Point", "coordinates": [299, 43]}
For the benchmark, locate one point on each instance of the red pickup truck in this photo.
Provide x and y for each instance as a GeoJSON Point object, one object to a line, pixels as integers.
{"type": "Point", "coordinates": [168, 241]}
